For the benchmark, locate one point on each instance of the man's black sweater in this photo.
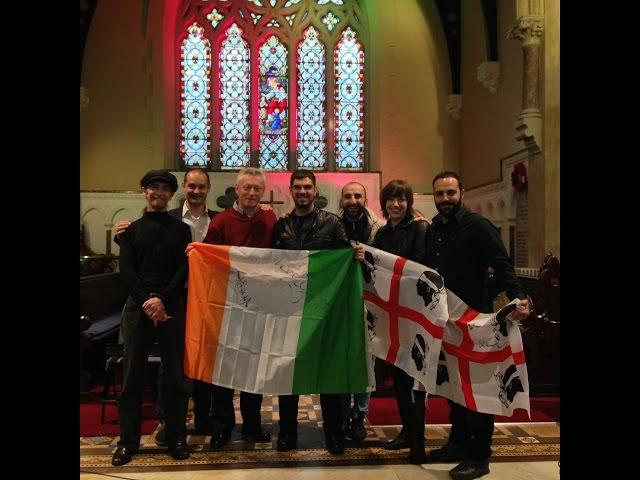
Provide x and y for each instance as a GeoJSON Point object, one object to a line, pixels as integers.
{"type": "Point", "coordinates": [462, 249]}
{"type": "Point", "coordinates": [152, 258]}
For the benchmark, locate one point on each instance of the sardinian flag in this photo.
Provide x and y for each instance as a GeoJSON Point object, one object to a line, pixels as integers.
{"type": "Point", "coordinates": [474, 359]}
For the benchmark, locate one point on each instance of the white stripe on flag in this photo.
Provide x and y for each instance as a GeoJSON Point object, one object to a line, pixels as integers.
{"type": "Point", "coordinates": [257, 350]}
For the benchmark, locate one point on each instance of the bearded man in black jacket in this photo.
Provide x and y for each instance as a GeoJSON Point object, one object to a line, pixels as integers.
{"type": "Point", "coordinates": [310, 228]}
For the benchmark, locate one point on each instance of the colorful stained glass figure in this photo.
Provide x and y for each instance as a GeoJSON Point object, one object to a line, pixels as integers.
{"type": "Point", "coordinates": [256, 17]}
{"type": "Point", "coordinates": [273, 106]}
{"type": "Point", "coordinates": [273, 23]}
{"type": "Point", "coordinates": [235, 131]}
{"type": "Point", "coordinates": [214, 17]}
{"type": "Point", "coordinates": [335, 2]}
{"type": "Point", "coordinates": [291, 2]}
{"type": "Point", "coordinates": [290, 18]}
{"type": "Point", "coordinates": [348, 115]}
{"type": "Point", "coordinates": [195, 55]}
{"type": "Point", "coordinates": [311, 101]}
{"type": "Point", "coordinates": [330, 20]}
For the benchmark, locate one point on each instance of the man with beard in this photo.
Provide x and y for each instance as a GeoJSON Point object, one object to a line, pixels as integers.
{"type": "Point", "coordinates": [193, 212]}
{"type": "Point", "coordinates": [461, 245]}
{"type": "Point", "coordinates": [361, 225]}
{"type": "Point", "coordinates": [310, 228]}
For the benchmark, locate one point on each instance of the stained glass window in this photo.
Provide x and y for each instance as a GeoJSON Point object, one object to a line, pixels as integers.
{"type": "Point", "coordinates": [349, 73]}
{"type": "Point", "coordinates": [276, 84]}
{"type": "Point", "coordinates": [214, 17]}
{"type": "Point", "coordinates": [195, 68]}
{"type": "Point", "coordinates": [274, 99]}
{"type": "Point", "coordinates": [235, 132]}
{"type": "Point", "coordinates": [311, 102]}
{"type": "Point", "coordinates": [330, 20]}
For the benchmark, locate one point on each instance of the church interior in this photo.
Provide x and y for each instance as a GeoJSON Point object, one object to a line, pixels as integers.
{"type": "Point", "coordinates": [395, 89]}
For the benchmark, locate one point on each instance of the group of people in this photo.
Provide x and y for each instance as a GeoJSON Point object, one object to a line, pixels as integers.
{"type": "Point", "coordinates": [459, 244]}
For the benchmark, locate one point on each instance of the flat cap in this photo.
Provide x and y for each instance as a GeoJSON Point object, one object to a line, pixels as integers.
{"type": "Point", "coordinates": [162, 176]}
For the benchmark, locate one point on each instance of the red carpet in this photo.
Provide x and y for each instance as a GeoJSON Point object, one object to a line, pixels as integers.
{"type": "Point", "coordinates": [384, 411]}
{"type": "Point", "coordinates": [90, 425]}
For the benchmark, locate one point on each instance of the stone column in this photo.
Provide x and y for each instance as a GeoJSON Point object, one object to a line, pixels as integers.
{"type": "Point", "coordinates": [528, 29]}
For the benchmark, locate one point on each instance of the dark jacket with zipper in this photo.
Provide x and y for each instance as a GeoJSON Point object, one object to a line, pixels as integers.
{"type": "Point", "coordinates": [407, 239]}
{"type": "Point", "coordinates": [324, 230]}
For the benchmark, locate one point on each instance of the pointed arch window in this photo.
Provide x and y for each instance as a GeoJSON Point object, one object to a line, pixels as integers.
{"type": "Point", "coordinates": [276, 84]}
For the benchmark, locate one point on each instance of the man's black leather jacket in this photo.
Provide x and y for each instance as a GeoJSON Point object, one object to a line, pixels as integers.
{"type": "Point", "coordinates": [327, 231]}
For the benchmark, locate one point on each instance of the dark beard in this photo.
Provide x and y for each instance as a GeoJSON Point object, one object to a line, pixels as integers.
{"type": "Point", "coordinates": [357, 217]}
{"type": "Point", "coordinates": [455, 208]}
{"type": "Point", "coordinates": [307, 207]}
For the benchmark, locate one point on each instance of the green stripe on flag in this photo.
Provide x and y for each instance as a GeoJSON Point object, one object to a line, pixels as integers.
{"type": "Point", "coordinates": [330, 357]}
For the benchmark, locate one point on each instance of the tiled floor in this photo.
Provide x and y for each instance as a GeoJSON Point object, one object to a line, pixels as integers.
{"type": "Point", "coordinates": [521, 451]}
{"type": "Point", "coordinates": [499, 471]}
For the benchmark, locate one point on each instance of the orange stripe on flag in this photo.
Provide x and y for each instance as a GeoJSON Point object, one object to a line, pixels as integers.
{"type": "Point", "coordinates": [209, 267]}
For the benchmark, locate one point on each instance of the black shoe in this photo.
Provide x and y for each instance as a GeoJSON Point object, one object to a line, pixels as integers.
{"type": "Point", "coordinates": [334, 443]}
{"type": "Point", "coordinates": [357, 432]}
{"type": "Point", "coordinates": [260, 435]}
{"type": "Point", "coordinates": [401, 441]}
{"type": "Point", "coordinates": [179, 451]}
{"type": "Point", "coordinates": [469, 469]}
{"type": "Point", "coordinates": [287, 441]}
{"type": "Point", "coordinates": [219, 439]}
{"type": "Point", "coordinates": [122, 456]}
{"type": "Point", "coordinates": [161, 436]}
{"type": "Point", "coordinates": [417, 457]}
{"type": "Point", "coordinates": [450, 452]}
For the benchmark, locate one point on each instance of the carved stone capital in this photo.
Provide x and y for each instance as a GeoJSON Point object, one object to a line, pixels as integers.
{"type": "Point", "coordinates": [84, 98]}
{"type": "Point", "coordinates": [527, 28]}
{"type": "Point", "coordinates": [488, 75]}
{"type": "Point", "coordinates": [529, 130]}
{"type": "Point", "coordinates": [454, 106]}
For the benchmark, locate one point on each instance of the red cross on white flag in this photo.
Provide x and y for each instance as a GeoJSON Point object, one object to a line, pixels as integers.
{"type": "Point", "coordinates": [475, 359]}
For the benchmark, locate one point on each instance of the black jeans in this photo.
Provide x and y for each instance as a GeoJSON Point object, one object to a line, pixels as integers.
{"type": "Point", "coordinates": [224, 418]}
{"type": "Point", "coordinates": [139, 333]}
{"type": "Point", "coordinates": [411, 405]}
{"type": "Point", "coordinates": [202, 403]}
{"type": "Point", "coordinates": [288, 410]}
{"type": "Point", "coordinates": [332, 405]}
{"type": "Point", "coordinates": [473, 429]}
{"type": "Point", "coordinates": [188, 386]}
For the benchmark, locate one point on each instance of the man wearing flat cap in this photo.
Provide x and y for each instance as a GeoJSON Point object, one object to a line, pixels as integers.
{"type": "Point", "coordinates": [154, 270]}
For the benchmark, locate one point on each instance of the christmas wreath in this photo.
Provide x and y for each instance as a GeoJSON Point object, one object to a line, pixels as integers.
{"type": "Point", "coordinates": [519, 177]}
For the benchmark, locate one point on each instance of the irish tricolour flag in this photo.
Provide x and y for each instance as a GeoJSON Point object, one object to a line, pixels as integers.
{"type": "Point", "coordinates": [276, 321]}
